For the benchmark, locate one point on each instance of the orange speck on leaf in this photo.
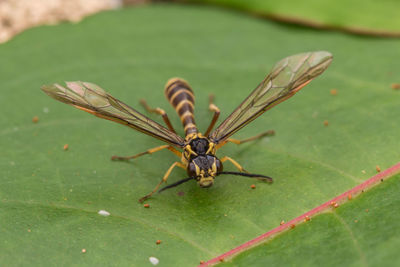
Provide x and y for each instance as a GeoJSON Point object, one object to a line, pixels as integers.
{"type": "Point", "coordinates": [334, 204]}
{"type": "Point", "coordinates": [395, 86]}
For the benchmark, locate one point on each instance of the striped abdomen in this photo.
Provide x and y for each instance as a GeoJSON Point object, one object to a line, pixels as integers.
{"type": "Point", "coordinates": [180, 95]}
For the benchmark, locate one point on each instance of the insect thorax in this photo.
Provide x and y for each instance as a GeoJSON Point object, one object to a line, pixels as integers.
{"type": "Point", "coordinates": [198, 145]}
{"type": "Point", "coordinates": [199, 157]}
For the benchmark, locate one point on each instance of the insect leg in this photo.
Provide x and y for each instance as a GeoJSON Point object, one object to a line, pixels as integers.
{"type": "Point", "coordinates": [164, 179]}
{"type": "Point", "coordinates": [234, 162]}
{"type": "Point", "coordinates": [150, 151]}
{"type": "Point", "coordinates": [158, 111]}
{"type": "Point", "coordinates": [216, 111]}
{"type": "Point", "coordinates": [258, 136]}
{"type": "Point", "coordinates": [176, 152]}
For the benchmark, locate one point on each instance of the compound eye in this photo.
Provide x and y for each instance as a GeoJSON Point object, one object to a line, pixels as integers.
{"type": "Point", "coordinates": [191, 170]}
{"type": "Point", "coordinates": [219, 165]}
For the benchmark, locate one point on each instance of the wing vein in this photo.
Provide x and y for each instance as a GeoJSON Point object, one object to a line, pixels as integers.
{"type": "Point", "coordinates": [93, 99]}
{"type": "Point", "coordinates": [286, 78]}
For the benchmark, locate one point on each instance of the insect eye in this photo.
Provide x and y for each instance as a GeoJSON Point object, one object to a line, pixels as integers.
{"type": "Point", "coordinates": [191, 170]}
{"type": "Point", "coordinates": [219, 165]}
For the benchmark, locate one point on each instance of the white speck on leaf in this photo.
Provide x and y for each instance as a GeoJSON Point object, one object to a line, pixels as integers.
{"type": "Point", "coordinates": [46, 110]}
{"type": "Point", "coordinates": [154, 260]}
{"type": "Point", "coordinates": [103, 213]}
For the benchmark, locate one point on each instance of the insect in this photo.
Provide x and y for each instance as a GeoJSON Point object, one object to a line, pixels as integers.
{"type": "Point", "coordinates": [198, 157]}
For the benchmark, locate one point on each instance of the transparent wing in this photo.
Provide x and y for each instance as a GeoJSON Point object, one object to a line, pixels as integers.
{"type": "Point", "coordinates": [286, 78]}
{"type": "Point", "coordinates": [93, 99]}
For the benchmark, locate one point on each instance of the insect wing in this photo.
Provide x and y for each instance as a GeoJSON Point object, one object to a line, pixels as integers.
{"type": "Point", "coordinates": [286, 78]}
{"type": "Point", "coordinates": [93, 99]}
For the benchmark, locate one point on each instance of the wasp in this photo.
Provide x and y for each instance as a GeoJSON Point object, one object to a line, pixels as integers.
{"type": "Point", "coordinates": [198, 156]}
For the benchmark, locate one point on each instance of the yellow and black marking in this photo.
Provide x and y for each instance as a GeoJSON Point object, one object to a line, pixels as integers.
{"type": "Point", "coordinates": [198, 156]}
{"type": "Point", "coordinates": [199, 150]}
{"type": "Point", "coordinates": [181, 97]}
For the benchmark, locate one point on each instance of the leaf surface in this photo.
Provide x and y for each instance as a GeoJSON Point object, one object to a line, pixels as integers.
{"type": "Point", "coordinates": [49, 197]}
{"type": "Point", "coordinates": [359, 233]}
{"type": "Point", "coordinates": [356, 16]}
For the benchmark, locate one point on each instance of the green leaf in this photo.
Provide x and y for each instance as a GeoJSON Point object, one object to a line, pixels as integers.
{"type": "Point", "coordinates": [359, 233]}
{"type": "Point", "coordinates": [50, 196]}
{"type": "Point", "coordinates": [357, 16]}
